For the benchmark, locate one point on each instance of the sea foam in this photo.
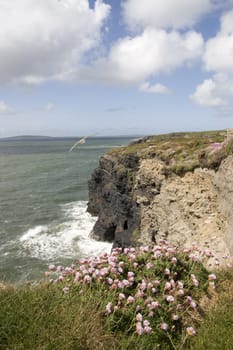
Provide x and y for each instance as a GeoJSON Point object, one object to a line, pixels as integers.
{"type": "Point", "coordinates": [70, 239]}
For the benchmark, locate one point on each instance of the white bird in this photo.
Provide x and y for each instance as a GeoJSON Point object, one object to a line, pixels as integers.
{"type": "Point", "coordinates": [79, 142]}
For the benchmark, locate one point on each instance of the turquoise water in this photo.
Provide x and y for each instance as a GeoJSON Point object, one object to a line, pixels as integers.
{"type": "Point", "coordinates": [43, 198]}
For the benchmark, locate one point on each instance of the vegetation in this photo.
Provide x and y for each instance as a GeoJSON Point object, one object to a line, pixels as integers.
{"type": "Point", "coordinates": [182, 152]}
{"type": "Point", "coordinates": [150, 298]}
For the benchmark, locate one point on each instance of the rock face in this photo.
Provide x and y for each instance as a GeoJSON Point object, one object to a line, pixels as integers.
{"type": "Point", "coordinates": [178, 187]}
{"type": "Point", "coordinates": [111, 198]}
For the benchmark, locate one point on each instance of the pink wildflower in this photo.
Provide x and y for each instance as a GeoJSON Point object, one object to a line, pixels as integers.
{"type": "Point", "coordinates": [146, 323]}
{"type": "Point", "coordinates": [110, 281]}
{"type": "Point", "coordinates": [175, 317]}
{"type": "Point", "coordinates": [121, 296]}
{"type": "Point", "coordinates": [180, 292]}
{"type": "Point", "coordinates": [167, 286]}
{"type": "Point", "coordinates": [212, 277]}
{"type": "Point", "coordinates": [190, 331]}
{"type": "Point", "coordinates": [154, 305]}
{"type": "Point", "coordinates": [108, 308]}
{"type": "Point", "coordinates": [66, 290]}
{"type": "Point", "coordinates": [180, 284]}
{"type": "Point", "coordinates": [130, 274]}
{"type": "Point", "coordinates": [60, 268]}
{"type": "Point", "coordinates": [149, 265]}
{"type": "Point", "coordinates": [87, 279]}
{"type": "Point", "coordinates": [174, 260]}
{"type": "Point", "coordinates": [139, 294]}
{"type": "Point", "coordinates": [147, 329]}
{"type": "Point", "coordinates": [167, 271]}
{"type": "Point", "coordinates": [139, 328]}
{"type": "Point", "coordinates": [52, 267]}
{"type": "Point", "coordinates": [170, 298]}
{"type": "Point", "coordinates": [193, 304]}
{"type": "Point", "coordinates": [130, 300]}
{"type": "Point", "coordinates": [164, 326]}
{"type": "Point", "coordinates": [139, 317]}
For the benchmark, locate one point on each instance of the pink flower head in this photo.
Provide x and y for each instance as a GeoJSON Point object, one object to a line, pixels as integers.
{"type": "Point", "coordinates": [180, 292]}
{"type": "Point", "coordinates": [121, 296]}
{"type": "Point", "coordinates": [108, 308]}
{"type": "Point", "coordinates": [78, 276]}
{"type": "Point", "coordinates": [167, 286]}
{"type": "Point", "coordinates": [180, 285]}
{"type": "Point", "coordinates": [52, 267]}
{"type": "Point", "coordinates": [154, 305]}
{"type": "Point", "coordinates": [130, 274]}
{"type": "Point", "coordinates": [143, 285]}
{"type": "Point", "coordinates": [66, 290]}
{"type": "Point", "coordinates": [139, 294]}
{"type": "Point", "coordinates": [212, 277]}
{"type": "Point", "coordinates": [146, 323]}
{"type": "Point", "coordinates": [190, 331]}
{"type": "Point", "coordinates": [174, 260]}
{"type": "Point", "coordinates": [149, 265]}
{"type": "Point", "coordinates": [139, 317]}
{"type": "Point", "coordinates": [87, 279]}
{"type": "Point", "coordinates": [193, 304]}
{"type": "Point", "coordinates": [164, 326]}
{"type": "Point", "coordinates": [130, 300]}
{"type": "Point", "coordinates": [60, 268]}
{"type": "Point", "coordinates": [147, 329]}
{"type": "Point", "coordinates": [139, 329]}
{"type": "Point", "coordinates": [167, 272]}
{"type": "Point", "coordinates": [170, 298]}
{"type": "Point", "coordinates": [175, 317]}
{"type": "Point", "coordinates": [110, 281]}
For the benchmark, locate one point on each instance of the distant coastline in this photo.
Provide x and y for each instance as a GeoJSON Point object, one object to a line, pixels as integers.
{"type": "Point", "coordinates": [52, 138]}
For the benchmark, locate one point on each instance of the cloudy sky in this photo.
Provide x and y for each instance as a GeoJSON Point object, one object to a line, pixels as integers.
{"type": "Point", "coordinates": [75, 67]}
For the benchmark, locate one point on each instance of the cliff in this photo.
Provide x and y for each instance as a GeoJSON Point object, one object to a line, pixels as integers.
{"type": "Point", "coordinates": [177, 186]}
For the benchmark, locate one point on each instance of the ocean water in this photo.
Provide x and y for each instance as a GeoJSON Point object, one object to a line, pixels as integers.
{"type": "Point", "coordinates": [43, 200]}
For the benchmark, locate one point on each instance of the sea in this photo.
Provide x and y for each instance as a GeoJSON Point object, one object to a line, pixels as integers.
{"type": "Point", "coordinates": [43, 204]}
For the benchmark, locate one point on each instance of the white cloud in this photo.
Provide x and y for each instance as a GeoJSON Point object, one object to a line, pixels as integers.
{"type": "Point", "coordinates": [134, 60]}
{"type": "Point", "coordinates": [218, 55]}
{"type": "Point", "coordinates": [42, 40]}
{"type": "Point", "coordinates": [5, 109]}
{"type": "Point", "coordinates": [218, 59]}
{"type": "Point", "coordinates": [207, 95]}
{"type": "Point", "coordinates": [164, 14]}
{"type": "Point", "coordinates": [154, 89]}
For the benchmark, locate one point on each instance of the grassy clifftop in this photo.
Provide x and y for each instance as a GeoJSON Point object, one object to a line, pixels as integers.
{"type": "Point", "coordinates": [182, 152]}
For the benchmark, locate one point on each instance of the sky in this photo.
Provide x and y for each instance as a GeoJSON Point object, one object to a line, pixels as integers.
{"type": "Point", "coordinates": [115, 67]}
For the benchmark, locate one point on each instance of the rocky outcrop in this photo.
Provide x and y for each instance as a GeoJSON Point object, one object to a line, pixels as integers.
{"type": "Point", "coordinates": [111, 198]}
{"type": "Point", "coordinates": [178, 187]}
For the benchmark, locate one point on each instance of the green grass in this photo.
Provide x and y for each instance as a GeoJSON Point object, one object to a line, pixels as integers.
{"type": "Point", "coordinates": [216, 330]}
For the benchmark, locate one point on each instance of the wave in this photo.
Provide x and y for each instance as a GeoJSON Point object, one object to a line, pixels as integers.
{"type": "Point", "coordinates": [70, 239]}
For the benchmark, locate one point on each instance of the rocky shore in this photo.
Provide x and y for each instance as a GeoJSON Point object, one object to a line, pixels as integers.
{"type": "Point", "coordinates": [177, 186]}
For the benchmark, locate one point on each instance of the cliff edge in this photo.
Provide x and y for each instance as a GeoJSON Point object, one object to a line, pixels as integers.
{"type": "Point", "coordinates": [177, 186]}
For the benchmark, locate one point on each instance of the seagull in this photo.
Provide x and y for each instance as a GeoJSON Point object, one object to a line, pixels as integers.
{"type": "Point", "coordinates": [79, 142]}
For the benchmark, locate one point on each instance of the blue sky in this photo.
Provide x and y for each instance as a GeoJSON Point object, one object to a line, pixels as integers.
{"type": "Point", "coordinates": [108, 67]}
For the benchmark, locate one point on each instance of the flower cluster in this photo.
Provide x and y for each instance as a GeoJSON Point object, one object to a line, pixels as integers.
{"type": "Point", "coordinates": [156, 286]}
